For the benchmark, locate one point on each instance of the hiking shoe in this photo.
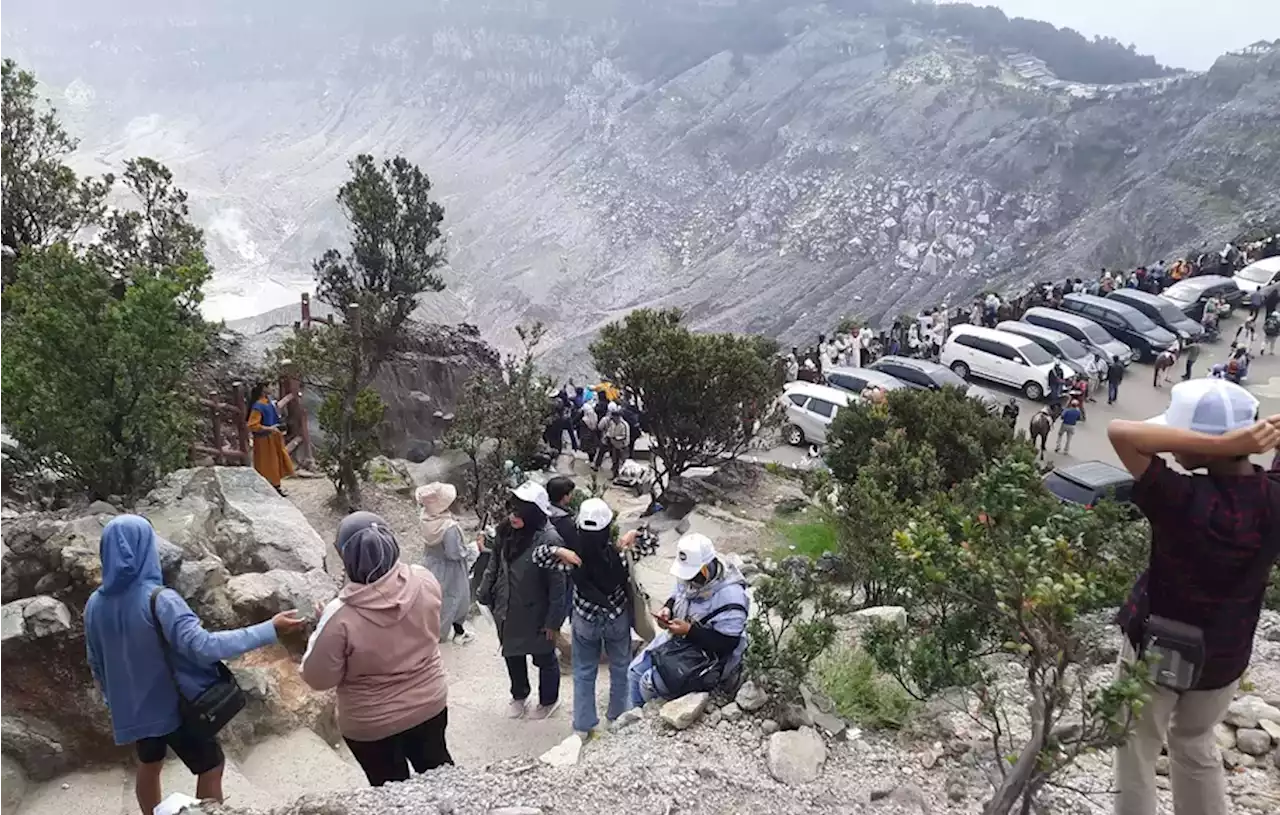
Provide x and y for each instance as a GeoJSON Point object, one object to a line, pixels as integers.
{"type": "Point", "coordinates": [463, 638]}
{"type": "Point", "coordinates": [543, 711]}
{"type": "Point", "coordinates": [517, 709]}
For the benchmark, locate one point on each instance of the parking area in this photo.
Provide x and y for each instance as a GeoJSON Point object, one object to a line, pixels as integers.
{"type": "Point", "coordinates": [1139, 399]}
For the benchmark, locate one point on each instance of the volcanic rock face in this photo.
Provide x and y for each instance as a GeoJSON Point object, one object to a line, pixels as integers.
{"type": "Point", "coordinates": [232, 547]}
{"type": "Point", "coordinates": [767, 165]}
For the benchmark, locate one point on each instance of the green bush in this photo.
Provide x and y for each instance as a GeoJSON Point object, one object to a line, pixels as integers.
{"type": "Point", "coordinates": [350, 436]}
{"type": "Point", "coordinates": [860, 692]}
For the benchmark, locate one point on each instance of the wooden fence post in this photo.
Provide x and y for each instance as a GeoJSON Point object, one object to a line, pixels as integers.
{"type": "Point", "coordinates": [215, 419]}
{"type": "Point", "coordinates": [306, 310]}
{"type": "Point", "coordinates": [242, 427]}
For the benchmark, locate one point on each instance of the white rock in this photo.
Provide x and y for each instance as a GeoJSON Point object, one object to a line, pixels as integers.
{"type": "Point", "coordinates": [1253, 742]}
{"type": "Point", "coordinates": [515, 811]}
{"type": "Point", "coordinates": [731, 712]}
{"type": "Point", "coordinates": [796, 756]}
{"type": "Point", "coordinates": [768, 727]}
{"type": "Point", "coordinates": [564, 754]}
{"type": "Point", "coordinates": [751, 697]}
{"type": "Point", "coordinates": [628, 718]}
{"type": "Point", "coordinates": [1225, 736]}
{"type": "Point", "coordinates": [893, 615]}
{"type": "Point", "coordinates": [682, 712]}
{"type": "Point", "coordinates": [1247, 711]}
{"type": "Point", "coordinates": [1272, 729]}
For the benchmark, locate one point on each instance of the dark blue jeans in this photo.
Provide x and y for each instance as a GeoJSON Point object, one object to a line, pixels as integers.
{"type": "Point", "coordinates": [1113, 391]}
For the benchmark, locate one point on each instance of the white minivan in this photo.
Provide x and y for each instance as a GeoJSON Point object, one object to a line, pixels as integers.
{"type": "Point", "coordinates": [810, 410]}
{"type": "Point", "coordinates": [1262, 275]}
{"type": "Point", "coordinates": [999, 356]}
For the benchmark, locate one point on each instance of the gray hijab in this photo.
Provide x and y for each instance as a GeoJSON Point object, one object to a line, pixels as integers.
{"type": "Point", "coordinates": [368, 547]}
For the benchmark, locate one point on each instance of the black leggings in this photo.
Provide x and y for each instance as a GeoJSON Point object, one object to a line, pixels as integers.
{"type": "Point", "coordinates": [389, 759]}
{"type": "Point", "coordinates": [548, 678]}
{"type": "Point", "coordinates": [458, 630]}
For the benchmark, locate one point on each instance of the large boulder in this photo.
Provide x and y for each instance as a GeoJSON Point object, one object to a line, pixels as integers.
{"type": "Point", "coordinates": [235, 514]}
{"type": "Point", "coordinates": [259, 596]}
{"type": "Point", "coordinates": [796, 756]}
{"type": "Point", "coordinates": [34, 617]}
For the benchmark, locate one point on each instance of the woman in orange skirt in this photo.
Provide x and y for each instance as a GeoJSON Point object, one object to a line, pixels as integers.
{"type": "Point", "coordinates": [270, 457]}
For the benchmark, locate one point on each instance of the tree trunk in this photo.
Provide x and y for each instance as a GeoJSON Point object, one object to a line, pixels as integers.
{"type": "Point", "coordinates": [1017, 781]}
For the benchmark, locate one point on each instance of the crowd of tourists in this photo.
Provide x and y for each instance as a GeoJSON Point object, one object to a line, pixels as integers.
{"type": "Point", "coordinates": [378, 643]}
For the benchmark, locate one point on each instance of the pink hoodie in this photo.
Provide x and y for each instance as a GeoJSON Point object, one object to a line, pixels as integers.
{"type": "Point", "coordinates": [379, 645]}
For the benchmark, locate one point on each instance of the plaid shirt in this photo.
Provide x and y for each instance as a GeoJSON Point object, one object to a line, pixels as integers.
{"type": "Point", "coordinates": [544, 556]}
{"type": "Point", "coordinates": [1213, 540]}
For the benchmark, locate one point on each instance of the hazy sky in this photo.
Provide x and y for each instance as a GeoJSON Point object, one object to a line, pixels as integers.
{"type": "Point", "coordinates": [1180, 33]}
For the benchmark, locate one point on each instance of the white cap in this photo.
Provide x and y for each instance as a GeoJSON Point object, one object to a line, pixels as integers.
{"type": "Point", "coordinates": [1213, 406]}
{"type": "Point", "coordinates": [594, 515]}
{"type": "Point", "coordinates": [534, 493]}
{"type": "Point", "coordinates": [693, 551]}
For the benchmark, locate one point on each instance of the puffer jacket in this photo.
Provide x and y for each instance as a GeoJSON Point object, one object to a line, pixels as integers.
{"type": "Point", "coordinates": [525, 599]}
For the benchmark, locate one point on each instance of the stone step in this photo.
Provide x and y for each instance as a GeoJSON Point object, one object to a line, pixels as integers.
{"type": "Point", "coordinates": [288, 767]}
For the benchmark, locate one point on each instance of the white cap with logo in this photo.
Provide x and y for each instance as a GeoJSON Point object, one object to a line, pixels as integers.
{"type": "Point", "coordinates": [594, 515]}
{"type": "Point", "coordinates": [1212, 406]}
{"type": "Point", "coordinates": [531, 492]}
{"type": "Point", "coordinates": [693, 551]}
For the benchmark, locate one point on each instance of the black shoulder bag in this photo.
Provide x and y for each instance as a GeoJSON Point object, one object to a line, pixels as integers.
{"type": "Point", "coordinates": [685, 666]}
{"type": "Point", "coordinates": [217, 705]}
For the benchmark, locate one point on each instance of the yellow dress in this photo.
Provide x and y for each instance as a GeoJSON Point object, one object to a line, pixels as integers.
{"type": "Point", "coordinates": [270, 458]}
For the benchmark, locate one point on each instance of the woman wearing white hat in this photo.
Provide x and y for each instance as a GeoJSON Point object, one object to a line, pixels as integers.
{"type": "Point", "coordinates": [704, 624]}
{"type": "Point", "coordinates": [447, 555]}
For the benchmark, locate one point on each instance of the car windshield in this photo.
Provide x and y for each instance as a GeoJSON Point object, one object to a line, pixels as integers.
{"type": "Point", "coordinates": [1068, 490]}
{"type": "Point", "coordinates": [944, 377]}
{"type": "Point", "coordinates": [1181, 295]}
{"type": "Point", "coordinates": [1036, 355]}
{"type": "Point", "coordinates": [1096, 334]}
{"type": "Point", "coordinates": [1072, 349]}
{"type": "Point", "coordinates": [1256, 273]}
{"type": "Point", "coordinates": [1141, 322]}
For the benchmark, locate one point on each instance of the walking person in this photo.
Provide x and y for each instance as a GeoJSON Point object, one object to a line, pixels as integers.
{"type": "Point", "coordinates": [448, 556]}
{"type": "Point", "coordinates": [526, 599]}
{"type": "Point", "coordinates": [1271, 329]}
{"type": "Point", "coordinates": [270, 456]}
{"type": "Point", "coordinates": [601, 612]}
{"type": "Point", "coordinates": [1067, 429]}
{"type": "Point", "coordinates": [1214, 538]}
{"type": "Point", "coordinates": [615, 439]}
{"type": "Point", "coordinates": [145, 646]}
{"type": "Point", "coordinates": [1193, 354]}
{"type": "Point", "coordinates": [378, 644]}
{"type": "Point", "coordinates": [1115, 375]}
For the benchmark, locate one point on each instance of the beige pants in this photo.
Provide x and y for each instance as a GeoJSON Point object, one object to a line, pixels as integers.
{"type": "Point", "coordinates": [1185, 721]}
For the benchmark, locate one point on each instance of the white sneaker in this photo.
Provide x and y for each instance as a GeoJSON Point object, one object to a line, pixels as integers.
{"type": "Point", "coordinates": [517, 709]}
{"type": "Point", "coordinates": [463, 638]}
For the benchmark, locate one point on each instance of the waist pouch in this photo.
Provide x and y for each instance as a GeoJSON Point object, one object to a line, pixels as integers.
{"type": "Point", "coordinates": [1175, 650]}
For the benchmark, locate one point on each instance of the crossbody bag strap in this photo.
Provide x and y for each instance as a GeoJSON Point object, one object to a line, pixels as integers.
{"type": "Point", "coordinates": [716, 613]}
{"type": "Point", "coordinates": [164, 644]}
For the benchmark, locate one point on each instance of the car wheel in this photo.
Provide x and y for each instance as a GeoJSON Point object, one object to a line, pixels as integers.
{"type": "Point", "coordinates": [794, 435]}
{"type": "Point", "coordinates": [960, 369]}
{"type": "Point", "coordinates": [1033, 391]}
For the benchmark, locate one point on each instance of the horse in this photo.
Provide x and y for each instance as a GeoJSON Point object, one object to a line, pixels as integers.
{"type": "Point", "coordinates": [1041, 424]}
{"type": "Point", "coordinates": [1163, 363]}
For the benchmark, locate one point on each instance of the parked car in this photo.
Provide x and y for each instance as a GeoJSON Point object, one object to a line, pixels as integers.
{"type": "Point", "coordinates": [998, 356]}
{"type": "Point", "coordinates": [1262, 275]}
{"type": "Point", "coordinates": [1088, 482]}
{"type": "Point", "coordinates": [922, 374]}
{"type": "Point", "coordinates": [1082, 330]}
{"type": "Point", "coordinates": [1190, 295]}
{"type": "Point", "coordinates": [1124, 322]}
{"type": "Point", "coordinates": [855, 380]}
{"type": "Point", "coordinates": [1161, 311]}
{"type": "Point", "coordinates": [1075, 357]}
{"type": "Point", "coordinates": [810, 410]}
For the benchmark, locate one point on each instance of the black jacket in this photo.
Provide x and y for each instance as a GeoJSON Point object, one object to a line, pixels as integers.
{"type": "Point", "coordinates": [525, 599]}
{"type": "Point", "coordinates": [602, 574]}
{"type": "Point", "coordinates": [1115, 372]}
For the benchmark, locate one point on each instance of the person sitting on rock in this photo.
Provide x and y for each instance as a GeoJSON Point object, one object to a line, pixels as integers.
{"type": "Point", "coordinates": [378, 644]}
{"type": "Point", "coordinates": [447, 555]}
{"type": "Point", "coordinates": [527, 600]}
{"type": "Point", "coordinates": [707, 608]}
{"type": "Point", "coordinates": [124, 622]}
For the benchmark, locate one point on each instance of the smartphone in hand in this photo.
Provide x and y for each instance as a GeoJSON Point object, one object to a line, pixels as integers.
{"type": "Point", "coordinates": [663, 622]}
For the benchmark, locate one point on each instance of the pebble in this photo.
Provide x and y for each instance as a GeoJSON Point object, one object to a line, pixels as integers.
{"type": "Point", "coordinates": [751, 697]}
{"type": "Point", "coordinates": [515, 811]}
{"type": "Point", "coordinates": [1253, 742]}
{"type": "Point", "coordinates": [769, 727]}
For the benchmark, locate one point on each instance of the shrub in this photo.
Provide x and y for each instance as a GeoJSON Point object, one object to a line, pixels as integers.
{"type": "Point", "coordinates": [860, 692]}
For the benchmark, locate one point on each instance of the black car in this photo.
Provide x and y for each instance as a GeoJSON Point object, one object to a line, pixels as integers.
{"type": "Point", "coordinates": [1161, 311]}
{"type": "Point", "coordinates": [1088, 482]}
{"type": "Point", "coordinates": [1124, 322]}
{"type": "Point", "coordinates": [1190, 295]}
{"type": "Point", "coordinates": [922, 374]}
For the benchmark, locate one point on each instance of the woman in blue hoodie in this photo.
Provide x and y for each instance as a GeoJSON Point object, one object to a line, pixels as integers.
{"type": "Point", "coordinates": [129, 667]}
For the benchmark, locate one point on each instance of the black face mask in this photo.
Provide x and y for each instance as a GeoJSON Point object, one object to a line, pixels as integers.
{"type": "Point", "coordinates": [703, 577]}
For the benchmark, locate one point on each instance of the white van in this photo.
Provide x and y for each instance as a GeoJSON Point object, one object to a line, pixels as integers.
{"type": "Point", "coordinates": [810, 410]}
{"type": "Point", "coordinates": [1262, 275]}
{"type": "Point", "coordinates": [999, 356]}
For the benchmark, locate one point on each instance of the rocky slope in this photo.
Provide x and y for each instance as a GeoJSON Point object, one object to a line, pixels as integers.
{"type": "Point", "coordinates": [768, 165]}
